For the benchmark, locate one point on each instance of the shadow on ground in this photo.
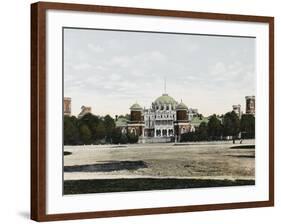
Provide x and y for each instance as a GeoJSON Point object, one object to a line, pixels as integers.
{"type": "Point", "coordinates": [107, 167]}
{"type": "Point", "coordinates": [242, 156]}
{"type": "Point", "coordinates": [143, 184]}
{"type": "Point", "coordinates": [66, 153]}
{"type": "Point", "coordinates": [243, 147]}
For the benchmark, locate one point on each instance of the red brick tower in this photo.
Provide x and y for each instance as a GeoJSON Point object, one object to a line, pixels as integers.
{"type": "Point", "coordinates": [181, 124]}
{"type": "Point", "coordinates": [136, 124]}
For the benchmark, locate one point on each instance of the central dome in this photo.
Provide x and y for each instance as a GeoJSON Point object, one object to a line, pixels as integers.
{"type": "Point", "coordinates": [165, 99]}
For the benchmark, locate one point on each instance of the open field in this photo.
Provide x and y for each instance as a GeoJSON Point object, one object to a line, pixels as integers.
{"type": "Point", "coordinates": [107, 168]}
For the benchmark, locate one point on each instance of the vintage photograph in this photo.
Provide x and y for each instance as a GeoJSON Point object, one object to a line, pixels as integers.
{"type": "Point", "coordinates": [157, 110]}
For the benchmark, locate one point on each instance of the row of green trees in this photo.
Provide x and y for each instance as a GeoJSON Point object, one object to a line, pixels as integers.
{"type": "Point", "coordinates": [220, 127]}
{"type": "Point", "coordinates": [123, 138]}
{"type": "Point", "coordinates": [91, 129]}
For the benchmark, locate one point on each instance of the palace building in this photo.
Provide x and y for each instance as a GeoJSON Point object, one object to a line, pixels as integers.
{"type": "Point", "coordinates": [84, 110]}
{"type": "Point", "coordinates": [237, 110]}
{"type": "Point", "coordinates": [250, 105]}
{"type": "Point", "coordinates": [164, 121]}
{"type": "Point", "coordinates": [67, 106]}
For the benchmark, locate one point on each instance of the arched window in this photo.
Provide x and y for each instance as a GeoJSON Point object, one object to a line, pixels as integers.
{"type": "Point", "coordinates": [171, 132]}
{"type": "Point", "coordinates": [133, 131]}
{"type": "Point", "coordinates": [123, 130]}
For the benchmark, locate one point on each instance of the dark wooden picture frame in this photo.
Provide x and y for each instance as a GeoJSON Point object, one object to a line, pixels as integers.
{"type": "Point", "coordinates": [38, 109]}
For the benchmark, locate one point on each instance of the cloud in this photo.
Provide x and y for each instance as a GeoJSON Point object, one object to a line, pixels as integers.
{"type": "Point", "coordinates": [139, 59]}
{"type": "Point", "coordinates": [81, 66]}
{"type": "Point", "coordinates": [95, 48]}
{"type": "Point", "coordinates": [114, 77]}
{"type": "Point", "coordinates": [218, 69]}
{"type": "Point", "coordinates": [121, 61]}
{"type": "Point", "coordinates": [231, 73]}
{"type": "Point", "coordinates": [125, 66]}
{"type": "Point", "coordinates": [156, 56]}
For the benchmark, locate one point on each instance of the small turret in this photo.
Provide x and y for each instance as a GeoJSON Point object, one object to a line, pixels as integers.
{"type": "Point", "coordinates": [136, 112]}
{"type": "Point", "coordinates": [181, 112]}
{"type": "Point", "coordinates": [136, 123]}
{"type": "Point", "coordinates": [181, 124]}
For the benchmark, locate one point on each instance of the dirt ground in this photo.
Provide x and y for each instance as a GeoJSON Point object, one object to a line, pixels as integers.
{"type": "Point", "coordinates": [215, 160]}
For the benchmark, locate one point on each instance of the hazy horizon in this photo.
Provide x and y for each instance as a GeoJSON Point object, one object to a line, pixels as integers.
{"type": "Point", "coordinates": [111, 70]}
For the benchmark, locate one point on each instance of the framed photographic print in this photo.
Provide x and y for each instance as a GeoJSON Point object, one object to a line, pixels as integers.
{"type": "Point", "coordinates": [143, 111]}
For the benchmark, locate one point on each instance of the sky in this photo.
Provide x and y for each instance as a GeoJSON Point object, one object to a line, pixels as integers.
{"type": "Point", "coordinates": [111, 70]}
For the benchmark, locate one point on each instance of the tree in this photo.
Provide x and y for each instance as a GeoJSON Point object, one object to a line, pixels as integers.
{"type": "Point", "coordinates": [187, 137]}
{"type": "Point", "coordinates": [109, 125]}
{"type": "Point", "coordinates": [202, 133]}
{"type": "Point", "coordinates": [214, 128]}
{"type": "Point", "coordinates": [123, 139]}
{"type": "Point", "coordinates": [132, 138]}
{"type": "Point", "coordinates": [88, 130]}
{"type": "Point", "coordinates": [116, 136]}
{"type": "Point", "coordinates": [96, 126]}
{"type": "Point", "coordinates": [92, 121]}
{"type": "Point", "coordinates": [71, 132]}
{"type": "Point", "coordinates": [100, 131]}
{"type": "Point", "coordinates": [126, 116]}
{"type": "Point", "coordinates": [231, 125]}
{"type": "Point", "coordinates": [247, 126]}
{"type": "Point", "coordinates": [85, 134]}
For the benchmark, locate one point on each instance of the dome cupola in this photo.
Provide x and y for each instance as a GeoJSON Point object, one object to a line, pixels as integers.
{"type": "Point", "coordinates": [181, 106]}
{"type": "Point", "coordinates": [136, 107]}
{"type": "Point", "coordinates": [165, 99]}
{"type": "Point", "coordinates": [181, 112]}
{"type": "Point", "coordinates": [136, 112]}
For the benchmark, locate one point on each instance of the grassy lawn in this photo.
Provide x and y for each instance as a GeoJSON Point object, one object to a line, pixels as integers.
{"type": "Point", "coordinates": [142, 184]}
